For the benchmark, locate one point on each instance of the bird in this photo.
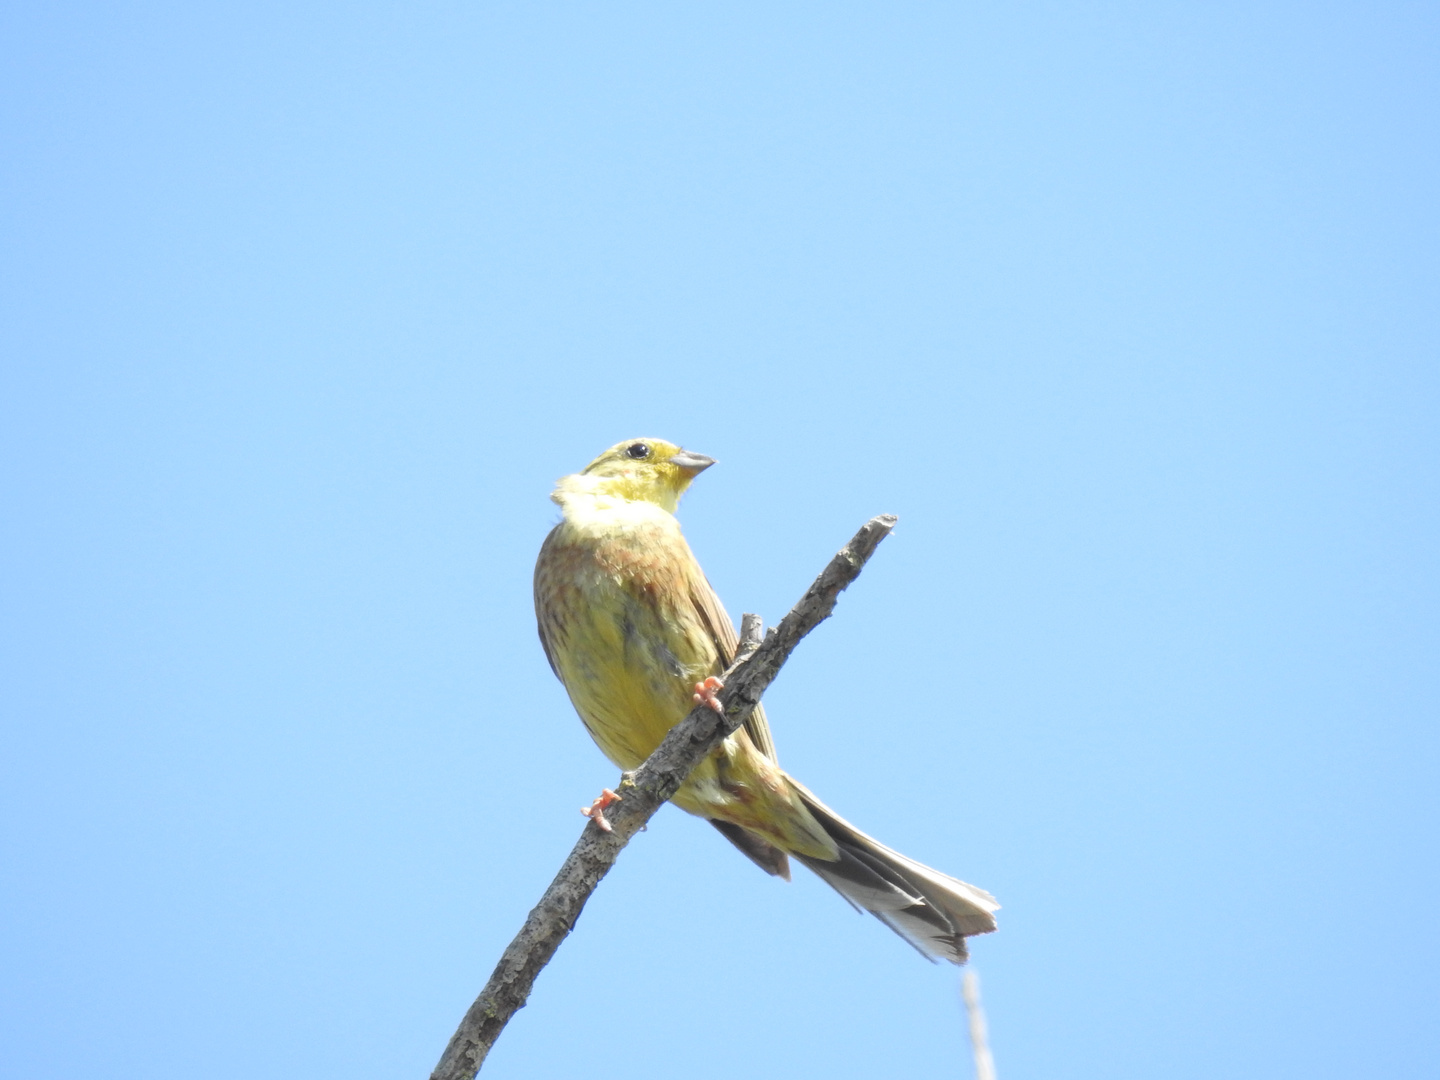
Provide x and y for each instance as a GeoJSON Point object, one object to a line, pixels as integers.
{"type": "Point", "coordinates": [634, 631]}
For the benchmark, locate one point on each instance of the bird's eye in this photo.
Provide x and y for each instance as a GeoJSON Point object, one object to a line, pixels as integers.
{"type": "Point", "coordinates": [639, 451]}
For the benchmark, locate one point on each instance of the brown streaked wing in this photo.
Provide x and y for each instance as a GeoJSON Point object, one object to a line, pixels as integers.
{"type": "Point", "coordinates": [722, 632]}
{"type": "Point", "coordinates": [758, 850]}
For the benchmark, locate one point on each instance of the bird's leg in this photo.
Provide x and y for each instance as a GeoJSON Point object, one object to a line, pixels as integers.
{"type": "Point", "coordinates": [596, 810]}
{"type": "Point", "coordinates": [705, 694]}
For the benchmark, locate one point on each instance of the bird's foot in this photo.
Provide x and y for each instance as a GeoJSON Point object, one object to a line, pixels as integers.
{"type": "Point", "coordinates": [705, 694]}
{"type": "Point", "coordinates": [596, 810]}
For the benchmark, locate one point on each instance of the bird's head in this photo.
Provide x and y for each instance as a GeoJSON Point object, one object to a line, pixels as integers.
{"type": "Point", "coordinates": [639, 470]}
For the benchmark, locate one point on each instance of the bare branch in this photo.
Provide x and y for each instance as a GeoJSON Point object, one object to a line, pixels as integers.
{"type": "Point", "coordinates": [645, 790]}
{"type": "Point", "coordinates": [979, 1038]}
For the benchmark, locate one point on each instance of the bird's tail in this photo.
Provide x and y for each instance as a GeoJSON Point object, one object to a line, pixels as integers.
{"type": "Point", "coordinates": [932, 911]}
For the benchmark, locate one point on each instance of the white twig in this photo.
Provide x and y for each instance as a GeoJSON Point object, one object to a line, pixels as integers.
{"type": "Point", "coordinates": [979, 1037]}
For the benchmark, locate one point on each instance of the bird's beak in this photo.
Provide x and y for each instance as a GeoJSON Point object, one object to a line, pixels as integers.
{"type": "Point", "coordinates": [691, 464]}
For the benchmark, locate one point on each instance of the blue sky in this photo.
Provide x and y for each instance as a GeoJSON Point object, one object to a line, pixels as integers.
{"type": "Point", "coordinates": [1127, 310]}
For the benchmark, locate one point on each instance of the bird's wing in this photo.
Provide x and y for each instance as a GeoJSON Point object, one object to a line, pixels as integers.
{"type": "Point", "coordinates": [722, 632]}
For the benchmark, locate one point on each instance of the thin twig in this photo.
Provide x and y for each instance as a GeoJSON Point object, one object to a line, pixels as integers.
{"type": "Point", "coordinates": [645, 790]}
{"type": "Point", "coordinates": [979, 1036]}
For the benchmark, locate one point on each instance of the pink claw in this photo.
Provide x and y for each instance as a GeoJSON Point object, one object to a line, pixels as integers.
{"type": "Point", "coordinates": [705, 693]}
{"type": "Point", "coordinates": [596, 810]}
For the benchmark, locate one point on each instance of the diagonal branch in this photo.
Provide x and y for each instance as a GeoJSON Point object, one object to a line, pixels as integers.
{"type": "Point", "coordinates": [645, 790]}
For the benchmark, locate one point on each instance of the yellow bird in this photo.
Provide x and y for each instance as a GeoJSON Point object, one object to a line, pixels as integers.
{"type": "Point", "coordinates": [634, 631]}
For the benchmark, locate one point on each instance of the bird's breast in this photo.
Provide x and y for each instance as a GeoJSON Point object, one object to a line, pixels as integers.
{"type": "Point", "coordinates": [621, 630]}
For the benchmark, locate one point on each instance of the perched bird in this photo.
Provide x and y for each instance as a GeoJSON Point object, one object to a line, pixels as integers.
{"type": "Point", "coordinates": [633, 629]}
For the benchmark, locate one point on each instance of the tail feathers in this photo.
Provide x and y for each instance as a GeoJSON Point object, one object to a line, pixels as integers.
{"type": "Point", "coordinates": [934, 912]}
